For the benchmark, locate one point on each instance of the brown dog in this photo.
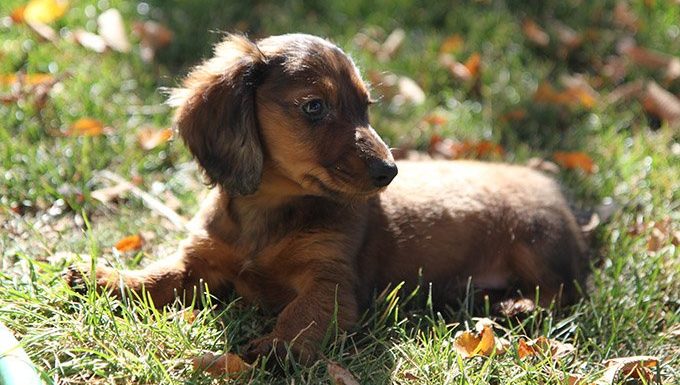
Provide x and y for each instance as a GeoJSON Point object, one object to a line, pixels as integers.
{"type": "Point", "coordinates": [301, 219]}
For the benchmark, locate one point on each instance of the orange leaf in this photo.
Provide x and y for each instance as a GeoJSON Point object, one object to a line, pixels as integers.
{"type": "Point", "coordinates": [475, 150]}
{"type": "Point", "coordinates": [17, 14]}
{"type": "Point", "coordinates": [545, 347]}
{"type": "Point", "coordinates": [228, 363]}
{"type": "Point", "coordinates": [150, 138]}
{"type": "Point", "coordinates": [514, 115]}
{"type": "Point", "coordinates": [29, 79]}
{"type": "Point", "coordinates": [474, 63]}
{"type": "Point", "coordinates": [575, 160]}
{"type": "Point", "coordinates": [86, 127]}
{"type": "Point", "coordinates": [434, 119]}
{"type": "Point", "coordinates": [630, 367]}
{"type": "Point", "coordinates": [130, 243]}
{"type": "Point", "coordinates": [469, 344]}
{"type": "Point", "coordinates": [535, 33]}
{"type": "Point", "coordinates": [452, 44]}
{"type": "Point", "coordinates": [44, 11]}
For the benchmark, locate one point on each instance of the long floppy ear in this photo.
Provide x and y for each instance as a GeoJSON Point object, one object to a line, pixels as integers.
{"type": "Point", "coordinates": [216, 115]}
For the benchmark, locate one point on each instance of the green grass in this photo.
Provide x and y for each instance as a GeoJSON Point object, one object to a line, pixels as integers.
{"type": "Point", "coordinates": [49, 220]}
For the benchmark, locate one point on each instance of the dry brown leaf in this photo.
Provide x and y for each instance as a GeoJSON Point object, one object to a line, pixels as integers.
{"type": "Point", "coordinates": [625, 92]}
{"type": "Point", "coordinates": [474, 64]}
{"type": "Point", "coordinates": [228, 364]}
{"type": "Point", "coordinates": [575, 160]}
{"type": "Point", "coordinates": [152, 37]}
{"type": "Point", "coordinates": [409, 91]}
{"type": "Point", "coordinates": [661, 103]}
{"type": "Point", "coordinates": [86, 127]}
{"type": "Point", "coordinates": [108, 194]}
{"type": "Point", "coordinates": [514, 115]}
{"type": "Point", "coordinates": [452, 44]}
{"type": "Point", "coordinates": [544, 347]}
{"type": "Point", "coordinates": [130, 243]}
{"type": "Point", "coordinates": [625, 17]}
{"type": "Point", "coordinates": [44, 11]}
{"type": "Point", "coordinates": [17, 14]}
{"type": "Point", "coordinates": [629, 367]}
{"type": "Point", "coordinates": [43, 30]}
{"type": "Point", "coordinates": [90, 40]}
{"type": "Point", "coordinates": [391, 45]}
{"type": "Point", "coordinates": [150, 138]}
{"type": "Point", "coordinates": [112, 30]}
{"type": "Point", "coordinates": [534, 33]}
{"type": "Point", "coordinates": [470, 344]}
{"type": "Point", "coordinates": [28, 79]}
{"type": "Point", "coordinates": [340, 375]}
{"type": "Point", "coordinates": [567, 36]}
{"type": "Point", "coordinates": [573, 95]}
{"type": "Point", "coordinates": [434, 119]}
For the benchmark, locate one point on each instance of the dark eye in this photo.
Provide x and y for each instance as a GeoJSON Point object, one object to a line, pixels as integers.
{"type": "Point", "coordinates": [315, 109]}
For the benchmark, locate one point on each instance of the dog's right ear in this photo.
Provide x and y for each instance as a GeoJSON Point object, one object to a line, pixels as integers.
{"type": "Point", "coordinates": [216, 117]}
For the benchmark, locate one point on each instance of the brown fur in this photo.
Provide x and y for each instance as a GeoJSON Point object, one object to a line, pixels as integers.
{"type": "Point", "coordinates": [296, 223]}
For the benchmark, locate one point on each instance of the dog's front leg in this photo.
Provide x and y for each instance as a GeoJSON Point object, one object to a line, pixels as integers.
{"type": "Point", "coordinates": [324, 302]}
{"type": "Point", "coordinates": [200, 261]}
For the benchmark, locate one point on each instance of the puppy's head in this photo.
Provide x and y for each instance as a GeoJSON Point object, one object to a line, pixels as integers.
{"type": "Point", "coordinates": [295, 103]}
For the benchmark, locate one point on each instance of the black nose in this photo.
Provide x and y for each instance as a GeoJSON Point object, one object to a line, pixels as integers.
{"type": "Point", "coordinates": [382, 172]}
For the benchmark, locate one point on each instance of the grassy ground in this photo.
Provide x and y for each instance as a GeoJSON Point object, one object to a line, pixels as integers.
{"type": "Point", "coordinates": [49, 218]}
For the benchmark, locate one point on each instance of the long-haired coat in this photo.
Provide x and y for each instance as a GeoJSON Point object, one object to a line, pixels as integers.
{"type": "Point", "coordinates": [308, 219]}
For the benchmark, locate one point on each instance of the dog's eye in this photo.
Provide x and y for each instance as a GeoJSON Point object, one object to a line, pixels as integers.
{"type": "Point", "coordinates": [315, 109]}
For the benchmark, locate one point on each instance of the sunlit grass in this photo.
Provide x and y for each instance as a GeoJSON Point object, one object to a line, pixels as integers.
{"type": "Point", "coordinates": [49, 219]}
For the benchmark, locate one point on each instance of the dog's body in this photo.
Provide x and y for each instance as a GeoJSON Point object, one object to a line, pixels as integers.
{"type": "Point", "coordinates": [302, 221]}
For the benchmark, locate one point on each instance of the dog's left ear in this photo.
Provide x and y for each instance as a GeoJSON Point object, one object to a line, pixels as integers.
{"type": "Point", "coordinates": [216, 115]}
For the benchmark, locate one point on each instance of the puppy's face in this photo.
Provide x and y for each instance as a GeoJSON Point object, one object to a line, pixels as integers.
{"type": "Point", "coordinates": [293, 102]}
{"type": "Point", "coordinates": [312, 111]}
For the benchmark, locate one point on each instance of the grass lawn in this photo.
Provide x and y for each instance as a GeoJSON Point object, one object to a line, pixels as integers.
{"type": "Point", "coordinates": [547, 82]}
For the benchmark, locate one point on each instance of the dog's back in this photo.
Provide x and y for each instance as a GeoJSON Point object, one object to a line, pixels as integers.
{"type": "Point", "coordinates": [449, 220]}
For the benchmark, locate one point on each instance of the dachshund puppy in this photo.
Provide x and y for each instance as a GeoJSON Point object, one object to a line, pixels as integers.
{"type": "Point", "coordinates": [307, 218]}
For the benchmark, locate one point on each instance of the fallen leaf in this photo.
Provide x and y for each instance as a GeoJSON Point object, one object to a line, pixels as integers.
{"type": "Point", "coordinates": [470, 344]}
{"type": "Point", "coordinates": [17, 14]}
{"type": "Point", "coordinates": [473, 64]}
{"type": "Point", "coordinates": [108, 194]}
{"type": "Point", "coordinates": [391, 45]}
{"type": "Point", "coordinates": [661, 103]}
{"type": "Point", "coordinates": [86, 127]}
{"type": "Point", "coordinates": [434, 119]}
{"type": "Point", "coordinates": [340, 375]}
{"type": "Point", "coordinates": [573, 95]}
{"type": "Point", "coordinates": [544, 347]}
{"type": "Point", "coordinates": [112, 30]}
{"type": "Point", "coordinates": [464, 150]}
{"type": "Point", "coordinates": [575, 160]}
{"type": "Point", "coordinates": [661, 232]}
{"type": "Point", "coordinates": [228, 364]}
{"type": "Point", "coordinates": [28, 79]}
{"type": "Point", "coordinates": [130, 243]}
{"type": "Point", "coordinates": [625, 17]}
{"type": "Point", "coordinates": [567, 36]}
{"type": "Point", "coordinates": [152, 37]}
{"type": "Point", "coordinates": [534, 33]}
{"type": "Point", "coordinates": [44, 11]}
{"type": "Point", "coordinates": [452, 44]}
{"type": "Point", "coordinates": [90, 40]}
{"type": "Point", "coordinates": [514, 115]}
{"type": "Point", "coordinates": [625, 92]}
{"type": "Point", "coordinates": [410, 91]}
{"type": "Point", "coordinates": [43, 30]}
{"type": "Point", "coordinates": [638, 367]}
{"type": "Point", "coordinates": [150, 138]}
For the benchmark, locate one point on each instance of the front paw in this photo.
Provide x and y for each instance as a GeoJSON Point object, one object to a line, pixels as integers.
{"type": "Point", "coordinates": [278, 351]}
{"type": "Point", "coordinates": [77, 276]}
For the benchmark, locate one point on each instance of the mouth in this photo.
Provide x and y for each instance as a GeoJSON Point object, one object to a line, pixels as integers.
{"type": "Point", "coordinates": [331, 188]}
